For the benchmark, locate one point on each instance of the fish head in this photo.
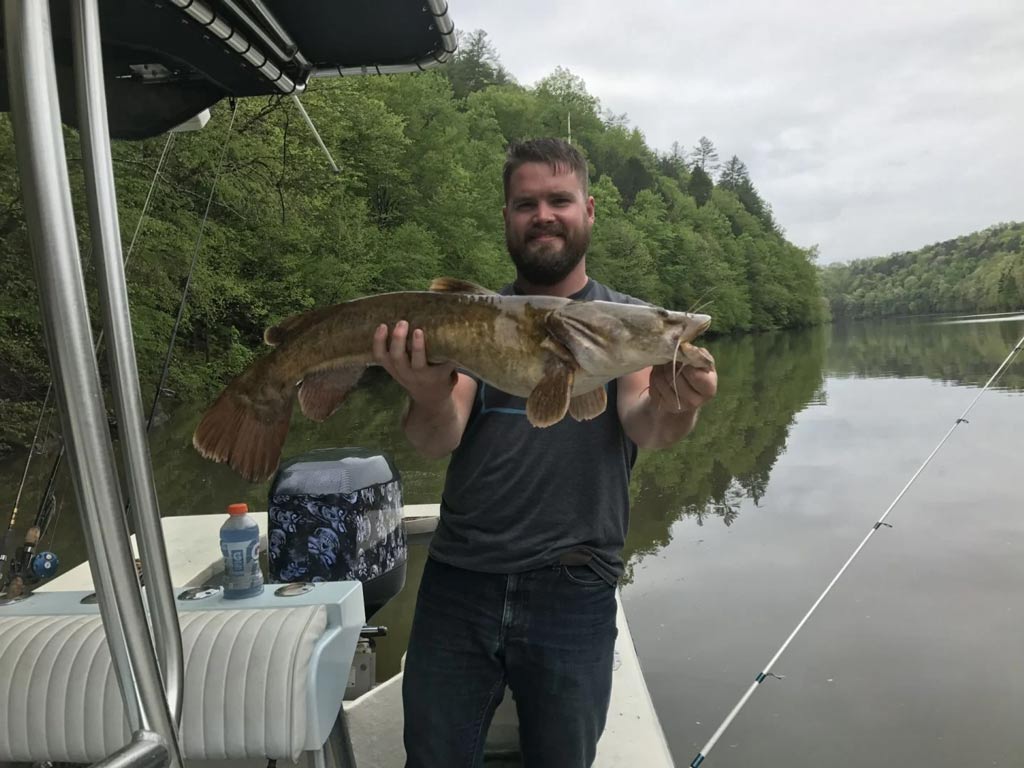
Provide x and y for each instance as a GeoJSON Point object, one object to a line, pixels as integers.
{"type": "Point", "coordinates": [609, 338]}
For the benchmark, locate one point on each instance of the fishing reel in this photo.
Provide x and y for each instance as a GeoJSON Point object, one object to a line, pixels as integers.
{"type": "Point", "coordinates": [43, 566]}
{"type": "Point", "coordinates": [28, 568]}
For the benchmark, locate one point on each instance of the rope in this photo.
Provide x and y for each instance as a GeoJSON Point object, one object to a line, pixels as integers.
{"type": "Point", "coordinates": [191, 269]}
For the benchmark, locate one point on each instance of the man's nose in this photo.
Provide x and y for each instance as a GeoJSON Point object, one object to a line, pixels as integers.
{"type": "Point", "coordinates": [545, 212]}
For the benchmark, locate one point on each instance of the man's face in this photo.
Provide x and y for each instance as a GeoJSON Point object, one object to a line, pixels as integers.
{"type": "Point", "coordinates": [547, 222]}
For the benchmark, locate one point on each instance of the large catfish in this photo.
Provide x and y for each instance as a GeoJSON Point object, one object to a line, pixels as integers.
{"type": "Point", "coordinates": [555, 352]}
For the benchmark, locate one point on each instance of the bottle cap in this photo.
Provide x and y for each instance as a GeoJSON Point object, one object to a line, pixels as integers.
{"type": "Point", "coordinates": [238, 509]}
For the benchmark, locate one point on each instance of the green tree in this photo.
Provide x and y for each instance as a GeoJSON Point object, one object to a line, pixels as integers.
{"type": "Point", "coordinates": [705, 156]}
{"type": "Point", "coordinates": [700, 186]}
{"type": "Point", "coordinates": [475, 65]}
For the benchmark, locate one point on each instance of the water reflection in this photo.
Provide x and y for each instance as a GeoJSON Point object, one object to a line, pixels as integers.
{"type": "Point", "coordinates": [965, 352]}
{"type": "Point", "coordinates": [766, 381]}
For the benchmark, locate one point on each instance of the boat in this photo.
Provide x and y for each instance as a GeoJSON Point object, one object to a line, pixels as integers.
{"type": "Point", "coordinates": [95, 666]}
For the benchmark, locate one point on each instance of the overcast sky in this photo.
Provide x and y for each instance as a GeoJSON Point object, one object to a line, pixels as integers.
{"type": "Point", "coordinates": [870, 127]}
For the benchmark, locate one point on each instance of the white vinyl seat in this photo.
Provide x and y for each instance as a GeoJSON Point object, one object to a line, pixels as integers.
{"type": "Point", "coordinates": [264, 678]}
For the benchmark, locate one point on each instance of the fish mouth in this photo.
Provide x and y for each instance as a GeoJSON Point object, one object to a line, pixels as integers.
{"type": "Point", "coordinates": [695, 326]}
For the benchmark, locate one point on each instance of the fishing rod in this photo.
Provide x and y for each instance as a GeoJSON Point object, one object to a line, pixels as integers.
{"type": "Point", "coordinates": [765, 673]}
{"type": "Point", "coordinates": [24, 556]}
{"type": "Point", "coordinates": [21, 487]}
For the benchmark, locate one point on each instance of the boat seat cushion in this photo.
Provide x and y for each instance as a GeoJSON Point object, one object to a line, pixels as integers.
{"type": "Point", "coordinates": [246, 676]}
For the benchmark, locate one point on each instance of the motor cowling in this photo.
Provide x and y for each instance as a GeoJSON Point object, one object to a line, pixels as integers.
{"type": "Point", "coordinates": [336, 515]}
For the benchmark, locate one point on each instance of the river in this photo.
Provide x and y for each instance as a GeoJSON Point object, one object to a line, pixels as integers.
{"type": "Point", "coordinates": [915, 656]}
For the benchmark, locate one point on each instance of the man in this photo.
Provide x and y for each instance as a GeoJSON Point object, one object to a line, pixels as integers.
{"type": "Point", "coordinates": [519, 588]}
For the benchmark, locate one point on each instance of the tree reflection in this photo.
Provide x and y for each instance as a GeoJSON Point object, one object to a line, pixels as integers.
{"type": "Point", "coordinates": [726, 462]}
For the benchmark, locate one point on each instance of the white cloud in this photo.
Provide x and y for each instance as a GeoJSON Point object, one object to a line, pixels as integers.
{"type": "Point", "coordinates": [870, 128]}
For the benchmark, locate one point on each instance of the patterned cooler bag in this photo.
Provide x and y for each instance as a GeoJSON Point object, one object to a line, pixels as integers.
{"type": "Point", "coordinates": [336, 515]}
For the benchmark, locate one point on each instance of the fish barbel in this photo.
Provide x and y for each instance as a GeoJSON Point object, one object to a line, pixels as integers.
{"type": "Point", "coordinates": [555, 352]}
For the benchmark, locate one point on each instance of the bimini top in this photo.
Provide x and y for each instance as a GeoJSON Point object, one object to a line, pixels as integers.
{"type": "Point", "coordinates": [168, 60]}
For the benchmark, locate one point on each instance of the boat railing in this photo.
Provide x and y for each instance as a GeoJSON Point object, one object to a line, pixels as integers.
{"type": "Point", "coordinates": [151, 695]}
{"type": "Point", "coordinates": [147, 662]}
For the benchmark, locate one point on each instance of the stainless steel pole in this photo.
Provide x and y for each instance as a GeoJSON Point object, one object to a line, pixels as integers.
{"type": "Point", "coordinates": [106, 247]}
{"type": "Point", "coordinates": [219, 27]}
{"type": "Point", "coordinates": [145, 750]}
{"type": "Point", "coordinates": [316, 133]}
{"type": "Point", "coordinates": [46, 194]}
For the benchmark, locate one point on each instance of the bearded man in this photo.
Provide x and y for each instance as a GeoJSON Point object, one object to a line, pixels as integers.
{"type": "Point", "coordinates": [519, 587]}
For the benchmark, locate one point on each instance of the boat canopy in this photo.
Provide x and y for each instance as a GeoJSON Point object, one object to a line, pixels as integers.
{"type": "Point", "coordinates": [165, 61]}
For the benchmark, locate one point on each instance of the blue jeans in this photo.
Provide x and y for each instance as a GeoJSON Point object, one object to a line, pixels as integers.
{"type": "Point", "coordinates": [549, 634]}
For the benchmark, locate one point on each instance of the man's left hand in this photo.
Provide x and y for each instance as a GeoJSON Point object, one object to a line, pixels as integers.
{"type": "Point", "coordinates": [684, 390]}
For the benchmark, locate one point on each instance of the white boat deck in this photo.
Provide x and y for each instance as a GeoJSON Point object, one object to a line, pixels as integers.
{"type": "Point", "coordinates": [632, 736]}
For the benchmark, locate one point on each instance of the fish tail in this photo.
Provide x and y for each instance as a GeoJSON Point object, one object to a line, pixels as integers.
{"type": "Point", "coordinates": [246, 431]}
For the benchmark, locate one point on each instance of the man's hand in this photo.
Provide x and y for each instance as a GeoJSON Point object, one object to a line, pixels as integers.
{"type": "Point", "coordinates": [440, 400]}
{"type": "Point", "coordinates": [658, 407]}
{"type": "Point", "coordinates": [426, 384]}
{"type": "Point", "coordinates": [685, 389]}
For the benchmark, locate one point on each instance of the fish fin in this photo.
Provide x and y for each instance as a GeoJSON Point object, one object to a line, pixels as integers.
{"type": "Point", "coordinates": [559, 350]}
{"type": "Point", "coordinates": [589, 405]}
{"type": "Point", "coordinates": [276, 335]}
{"type": "Point", "coordinates": [455, 285]}
{"type": "Point", "coordinates": [244, 431]}
{"type": "Point", "coordinates": [322, 392]}
{"type": "Point", "coordinates": [549, 400]}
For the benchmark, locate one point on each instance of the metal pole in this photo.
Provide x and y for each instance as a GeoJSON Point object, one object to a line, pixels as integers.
{"type": "Point", "coordinates": [316, 133]}
{"type": "Point", "coordinates": [46, 194]}
{"type": "Point", "coordinates": [252, 28]}
{"type": "Point", "coordinates": [145, 750]}
{"type": "Point", "coordinates": [270, 22]}
{"type": "Point", "coordinates": [106, 247]}
{"type": "Point", "coordinates": [219, 27]}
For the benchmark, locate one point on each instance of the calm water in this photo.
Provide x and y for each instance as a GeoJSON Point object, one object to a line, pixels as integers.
{"type": "Point", "coordinates": [915, 657]}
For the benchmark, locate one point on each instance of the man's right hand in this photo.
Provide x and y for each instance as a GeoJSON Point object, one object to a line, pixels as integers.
{"type": "Point", "coordinates": [428, 385]}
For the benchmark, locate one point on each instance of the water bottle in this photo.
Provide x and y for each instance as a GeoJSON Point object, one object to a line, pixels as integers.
{"type": "Point", "coordinates": [240, 545]}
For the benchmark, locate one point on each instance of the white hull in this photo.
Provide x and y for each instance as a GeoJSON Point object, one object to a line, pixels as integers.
{"type": "Point", "coordinates": [633, 735]}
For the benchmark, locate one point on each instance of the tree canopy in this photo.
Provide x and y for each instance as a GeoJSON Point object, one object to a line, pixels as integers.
{"type": "Point", "coordinates": [418, 195]}
{"type": "Point", "coordinates": [980, 272]}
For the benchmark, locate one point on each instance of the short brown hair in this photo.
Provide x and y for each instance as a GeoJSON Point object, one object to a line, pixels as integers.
{"type": "Point", "coordinates": [557, 153]}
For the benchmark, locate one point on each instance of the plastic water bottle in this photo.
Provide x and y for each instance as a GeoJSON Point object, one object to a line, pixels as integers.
{"type": "Point", "coordinates": [240, 545]}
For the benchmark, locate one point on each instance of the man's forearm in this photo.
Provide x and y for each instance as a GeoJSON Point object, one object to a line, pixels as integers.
{"type": "Point", "coordinates": [650, 428]}
{"type": "Point", "coordinates": [433, 430]}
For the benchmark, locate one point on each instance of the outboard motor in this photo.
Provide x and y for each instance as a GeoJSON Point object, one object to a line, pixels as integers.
{"type": "Point", "coordinates": [336, 515]}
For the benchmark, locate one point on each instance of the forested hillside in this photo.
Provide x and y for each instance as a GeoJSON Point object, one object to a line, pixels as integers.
{"type": "Point", "coordinates": [981, 272]}
{"type": "Point", "coordinates": [418, 195]}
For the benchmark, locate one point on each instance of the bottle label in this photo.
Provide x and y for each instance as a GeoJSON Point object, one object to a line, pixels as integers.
{"type": "Point", "coordinates": [241, 551]}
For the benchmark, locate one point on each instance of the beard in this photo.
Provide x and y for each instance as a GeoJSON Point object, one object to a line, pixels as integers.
{"type": "Point", "coordinates": [547, 263]}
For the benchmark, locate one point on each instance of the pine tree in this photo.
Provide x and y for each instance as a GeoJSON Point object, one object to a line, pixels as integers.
{"type": "Point", "coordinates": [705, 156]}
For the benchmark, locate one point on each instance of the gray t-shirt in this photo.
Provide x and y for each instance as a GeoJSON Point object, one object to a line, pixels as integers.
{"type": "Point", "coordinates": [517, 497]}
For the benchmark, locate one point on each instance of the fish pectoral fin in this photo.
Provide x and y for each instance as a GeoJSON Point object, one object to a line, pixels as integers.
{"type": "Point", "coordinates": [322, 392]}
{"type": "Point", "coordinates": [549, 400]}
{"type": "Point", "coordinates": [589, 405]}
{"type": "Point", "coordinates": [559, 350]}
{"type": "Point", "coordinates": [455, 285]}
